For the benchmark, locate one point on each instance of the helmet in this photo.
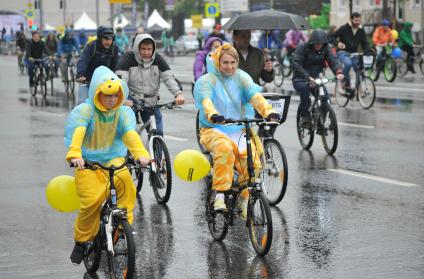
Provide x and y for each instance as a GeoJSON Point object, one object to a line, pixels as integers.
{"type": "Point", "coordinates": [395, 34]}
{"type": "Point", "coordinates": [385, 22]}
{"type": "Point", "coordinates": [105, 32]}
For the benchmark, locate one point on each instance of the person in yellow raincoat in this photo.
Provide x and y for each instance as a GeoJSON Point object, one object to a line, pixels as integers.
{"type": "Point", "coordinates": [101, 130]}
{"type": "Point", "coordinates": [228, 92]}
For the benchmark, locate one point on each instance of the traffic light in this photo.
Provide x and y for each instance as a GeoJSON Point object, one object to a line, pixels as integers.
{"type": "Point", "coordinates": [30, 23]}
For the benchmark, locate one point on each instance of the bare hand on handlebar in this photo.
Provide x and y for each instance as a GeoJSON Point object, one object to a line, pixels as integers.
{"type": "Point", "coordinates": [81, 79]}
{"type": "Point", "coordinates": [78, 163]}
{"type": "Point", "coordinates": [179, 99]}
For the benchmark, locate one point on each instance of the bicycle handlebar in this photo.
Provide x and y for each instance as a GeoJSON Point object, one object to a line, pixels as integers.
{"type": "Point", "coordinates": [140, 105]}
{"type": "Point", "coordinates": [93, 165]}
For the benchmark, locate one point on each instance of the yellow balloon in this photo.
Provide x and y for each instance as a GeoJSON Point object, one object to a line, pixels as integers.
{"type": "Point", "coordinates": [395, 34]}
{"type": "Point", "coordinates": [61, 194]}
{"type": "Point", "coordinates": [191, 165]}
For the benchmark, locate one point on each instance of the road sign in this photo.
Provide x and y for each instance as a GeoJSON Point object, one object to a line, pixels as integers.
{"type": "Point", "coordinates": [212, 10]}
{"type": "Point", "coordinates": [196, 21]}
{"type": "Point", "coordinates": [29, 13]}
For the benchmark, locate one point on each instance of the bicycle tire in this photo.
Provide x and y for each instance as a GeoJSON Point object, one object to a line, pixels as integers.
{"type": "Point", "coordinates": [287, 69]}
{"type": "Point", "coordinates": [122, 230]}
{"type": "Point", "coordinates": [43, 85]}
{"type": "Point", "coordinates": [218, 231]}
{"type": "Point", "coordinates": [306, 136]}
{"type": "Point", "coordinates": [36, 81]}
{"type": "Point", "coordinates": [278, 77]}
{"type": "Point", "coordinates": [342, 99]}
{"type": "Point", "coordinates": [374, 72]}
{"type": "Point", "coordinates": [421, 66]}
{"type": "Point", "coordinates": [278, 171]}
{"type": "Point", "coordinates": [72, 80]}
{"type": "Point", "coordinates": [93, 255]}
{"type": "Point", "coordinates": [329, 148]}
{"type": "Point", "coordinates": [163, 166]}
{"type": "Point", "coordinates": [390, 69]}
{"type": "Point", "coordinates": [201, 146]}
{"type": "Point", "coordinates": [370, 92]}
{"type": "Point", "coordinates": [261, 242]}
{"type": "Point", "coordinates": [402, 68]}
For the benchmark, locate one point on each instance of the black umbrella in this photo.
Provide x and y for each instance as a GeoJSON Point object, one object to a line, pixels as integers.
{"type": "Point", "coordinates": [266, 20]}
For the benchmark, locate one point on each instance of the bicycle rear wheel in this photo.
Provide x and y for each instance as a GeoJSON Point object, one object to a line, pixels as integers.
{"type": "Point", "coordinates": [402, 67]}
{"type": "Point", "coordinates": [274, 171]}
{"type": "Point", "coordinates": [161, 180]}
{"type": "Point", "coordinates": [305, 135]}
{"type": "Point", "coordinates": [217, 220]}
{"type": "Point", "coordinates": [342, 98]}
{"type": "Point", "coordinates": [122, 261]}
{"type": "Point", "coordinates": [390, 69]}
{"type": "Point", "coordinates": [366, 93]}
{"type": "Point", "coordinates": [328, 129]}
{"type": "Point", "coordinates": [93, 255]}
{"type": "Point", "coordinates": [259, 223]}
{"type": "Point", "coordinates": [279, 77]}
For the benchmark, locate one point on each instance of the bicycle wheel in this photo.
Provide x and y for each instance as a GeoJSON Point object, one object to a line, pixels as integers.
{"type": "Point", "coordinates": [217, 221]}
{"type": "Point", "coordinates": [122, 261]}
{"type": "Point", "coordinates": [422, 66]}
{"type": "Point", "coordinates": [71, 80]}
{"type": "Point", "coordinates": [36, 82]}
{"type": "Point", "coordinates": [274, 171]}
{"type": "Point", "coordinates": [93, 255]}
{"type": "Point", "coordinates": [286, 64]}
{"type": "Point", "coordinates": [366, 93]}
{"type": "Point", "coordinates": [202, 148]}
{"type": "Point", "coordinates": [259, 223]}
{"type": "Point", "coordinates": [402, 67]}
{"type": "Point", "coordinates": [43, 85]}
{"type": "Point", "coordinates": [305, 135]}
{"type": "Point", "coordinates": [328, 129]}
{"type": "Point", "coordinates": [279, 77]}
{"type": "Point", "coordinates": [161, 180]}
{"type": "Point", "coordinates": [342, 98]}
{"type": "Point", "coordinates": [374, 72]}
{"type": "Point", "coordinates": [390, 69]}
{"type": "Point", "coordinates": [51, 77]}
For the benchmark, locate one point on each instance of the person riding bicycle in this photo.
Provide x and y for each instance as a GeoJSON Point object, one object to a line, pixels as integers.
{"type": "Point", "coordinates": [199, 67]}
{"type": "Point", "coordinates": [382, 36]}
{"type": "Point", "coordinates": [21, 41]}
{"type": "Point", "coordinates": [101, 130]}
{"type": "Point", "coordinates": [34, 50]}
{"type": "Point", "coordinates": [228, 92]}
{"type": "Point", "coordinates": [309, 60]}
{"type": "Point", "coordinates": [406, 43]}
{"type": "Point", "coordinates": [349, 37]}
{"type": "Point", "coordinates": [143, 68]}
{"type": "Point", "coordinates": [52, 50]}
{"type": "Point", "coordinates": [252, 59]}
{"type": "Point", "coordinates": [100, 52]}
{"type": "Point", "coordinates": [269, 40]}
{"type": "Point", "coordinates": [292, 39]}
{"type": "Point", "coordinates": [67, 45]}
{"type": "Point", "coordinates": [121, 40]}
{"type": "Point", "coordinates": [82, 39]}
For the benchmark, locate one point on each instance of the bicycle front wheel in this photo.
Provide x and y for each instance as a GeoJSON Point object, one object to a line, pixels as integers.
{"type": "Point", "coordinates": [374, 72]}
{"type": "Point", "coordinates": [217, 221]}
{"type": "Point", "coordinates": [43, 85]}
{"type": "Point", "coordinates": [305, 135]}
{"type": "Point", "coordinates": [259, 223]}
{"type": "Point", "coordinates": [390, 69]}
{"type": "Point", "coordinates": [122, 261]}
{"type": "Point", "coordinates": [328, 128]}
{"type": "Point", "coordinates": [274, 171]}
{"type": "Point", "coordinates": [366, 93]}
{"type": "Point", "coordinates": [161, 180]}
{"type": "Point", "coordinates": [279, 77]}
{"type": "Point", "coordinates": [71, 80]}
{"type": "Point", "coordinates": [342, 98]}
{"type": "Point", "coordinates": [93, 255]}
{"type": "Point", "coordinates": [402, 67]}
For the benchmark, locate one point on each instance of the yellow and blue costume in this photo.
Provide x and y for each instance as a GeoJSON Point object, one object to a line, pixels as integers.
{"type": "Point", "coordinates": [103, 135]}
{"type": "Point", "coordinates": [235, 97]}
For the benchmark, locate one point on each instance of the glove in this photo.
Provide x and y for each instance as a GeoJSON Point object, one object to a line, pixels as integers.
{"type": "Point", "coordinates": [216, 118]}
{"type": "Point", "coordinates": [273, 116]}
{"type": "Point", "coordinates": [31, 59]}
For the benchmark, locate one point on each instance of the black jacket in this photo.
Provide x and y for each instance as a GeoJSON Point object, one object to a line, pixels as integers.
{"type": "Point", "coordinates": [35, 49]}
{"type": "Point", "coordinates": [254, 65]}
{"type": "Point", "coordinates": [307, 62]}
{"type": "Point", "coordinates": [345, 35]}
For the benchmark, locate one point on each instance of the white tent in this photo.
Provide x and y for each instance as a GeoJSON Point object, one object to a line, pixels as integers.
{"type": "Point", "coordinates": [120, 21]}
{"type": "Point", "coordinates": [85, 22]}
{"type": "Point", "coordinates": [48, 27]}
{"type": "Point", "coordinates": [155, 18]}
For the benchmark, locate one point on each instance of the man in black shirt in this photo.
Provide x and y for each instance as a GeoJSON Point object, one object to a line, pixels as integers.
{"type": "Point", "coordinates": [34, 50]}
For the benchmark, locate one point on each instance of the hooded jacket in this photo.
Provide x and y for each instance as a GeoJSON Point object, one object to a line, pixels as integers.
{"type": "Point", "coordinates": [382, 36]}
{"type": "Point", "coordinates": [98, 134]}
{"type": "Point", "coordinates": [307, 62]}
{"type": "Point", "coordinates": [200, 61]}
{"type": "Point", "coordinates": [143, 75]}
{"type": "Point", "coordinates": [68, 43]}
{"type": "Point", "coordinates": [405, 36]}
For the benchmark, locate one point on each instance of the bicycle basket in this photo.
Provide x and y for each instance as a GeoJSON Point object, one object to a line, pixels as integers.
{"type": "Point", "coordinates": [280, 103]}
{"type": "Point", "coordinates": [368, 61]}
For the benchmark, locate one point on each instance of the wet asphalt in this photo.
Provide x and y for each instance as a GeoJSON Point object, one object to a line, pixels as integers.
{"type": "Point", "coordinates": [357, 214]}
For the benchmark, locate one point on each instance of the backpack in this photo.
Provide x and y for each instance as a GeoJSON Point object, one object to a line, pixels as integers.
{"type": "Point", "coordinates": [113, 52]}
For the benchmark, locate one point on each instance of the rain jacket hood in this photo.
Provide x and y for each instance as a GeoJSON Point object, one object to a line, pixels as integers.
{"type": "Point", "coordinates": [201, 57]}
{"type": "Point", "coordinates": [405, 36]}
{"type": "Point", "coordinates": [138, 39]}
{"type": "Point", "coordinates": [318, 36]}
{"type": "Point", "coordinates": [209, 43]}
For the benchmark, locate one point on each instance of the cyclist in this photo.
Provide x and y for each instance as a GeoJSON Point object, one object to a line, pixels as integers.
{"type": "Point", "coordinates": [67, 45]}
{"type": "Point", "coordinates": [34, 50]}
{"type": "Point", "coordinates": [21, 42]}
{"type": "Point", "coordinates": [228, 92]}
{"type": "Point", "coordinates": [82, 39]}
{"type": "Point", "coordinates": [251, 59]}
{"type": "Point", "coordinates": [143, 68]}
{"type": "Point", "coordinates": [101, 51]}
{"type": "Point", "coordinates": [216, 32]}
{"type": "Point", "coordinates": [199, 67]}
{"type": "Point", "coordinates": [101, 130]}
{"type": "Point", "coordinates": [350, 36]}
{"type": "Point", "coordinates": [121, 40]}
{"type": "Point", "coordinates": [382, 36]}
{"type": "Point", "coordinates": [406, 43]}
{"type": "Point", "coordinates": [269, 40]}
{"type": "Point", "coordinates": [292, 39]}
{"type": "Point", "coordinates": [309, 61]}
{"type": "Point", "coordinates": [52, 50]}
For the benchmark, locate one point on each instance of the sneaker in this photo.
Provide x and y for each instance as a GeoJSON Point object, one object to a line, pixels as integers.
{"type": "Point", "coordinates": [77, 253]}
{"type": "Point", "coordinates": [242, 205]}
{"type": "Point", "coordinates": [219, 203]}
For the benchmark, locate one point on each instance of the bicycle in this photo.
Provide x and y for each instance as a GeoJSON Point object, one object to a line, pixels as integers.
{"type": "Point", "coordinates": [39, 78]}
{"type": "Point", "coordinates": [51, 67]}
{"type": "Point", "coordinates": [160, 172]}
{"type": "Point", "coordinates": [402, 66]}
{"type": "Point", "coordinates": [285, 63]}
{"type": "Point", "coordinates": [115, 234]}
{"type": "Point", "coordinates": [324, 121]}
{"type": "Point", "coordinates": [385, 64]}
{"type": "Point", "coordinates": [21, 63]}
{"type": "Point", "coordinates": [259, 219]}
{"type": "Point", "coordinates": [69, 78]}
{"type": "Point", "coordinates": [364, 86]}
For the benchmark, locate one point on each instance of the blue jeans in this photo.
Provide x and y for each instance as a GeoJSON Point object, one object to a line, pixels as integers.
{"type": "Point", "coordinates": [82, 93]}
{"type": "Point", "coordinates": [147, 112]}
{"type": "Point", "coordinates": [302, 87]}
{"type": "Point", "coordinates": [348, 64]}
{"type": "Point", "coordinates": [31, 66]}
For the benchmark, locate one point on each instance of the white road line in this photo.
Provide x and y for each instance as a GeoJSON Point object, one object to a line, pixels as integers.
{"type": "Point", "coordinates": [175, 138]}
{"type": "Point", "coordinates": [374, 177]}
{"type": "Point", "coordinates": [356, 125]}
{"type": "Point", "coordinates": [400, 89]}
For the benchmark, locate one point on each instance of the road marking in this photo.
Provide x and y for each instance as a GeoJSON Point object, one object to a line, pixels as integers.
{"type": "Point", "coordinates": [356, 125]}
{"type": "Point", "coordinates": [374, 177]}
{"type": "Point", "coordinates": [401, 89]}
{"type": "Point", "coordinates": [175, 138]}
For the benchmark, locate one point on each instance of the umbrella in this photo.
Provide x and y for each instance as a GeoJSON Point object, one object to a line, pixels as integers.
{"type": "Point", "coordinates": [266, 20]}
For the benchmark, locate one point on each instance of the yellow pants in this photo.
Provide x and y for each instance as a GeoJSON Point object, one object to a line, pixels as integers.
{"type": "Point", "coordinates": [92, 189]}
{"type": "Point", "coordinates": [226, 156]}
